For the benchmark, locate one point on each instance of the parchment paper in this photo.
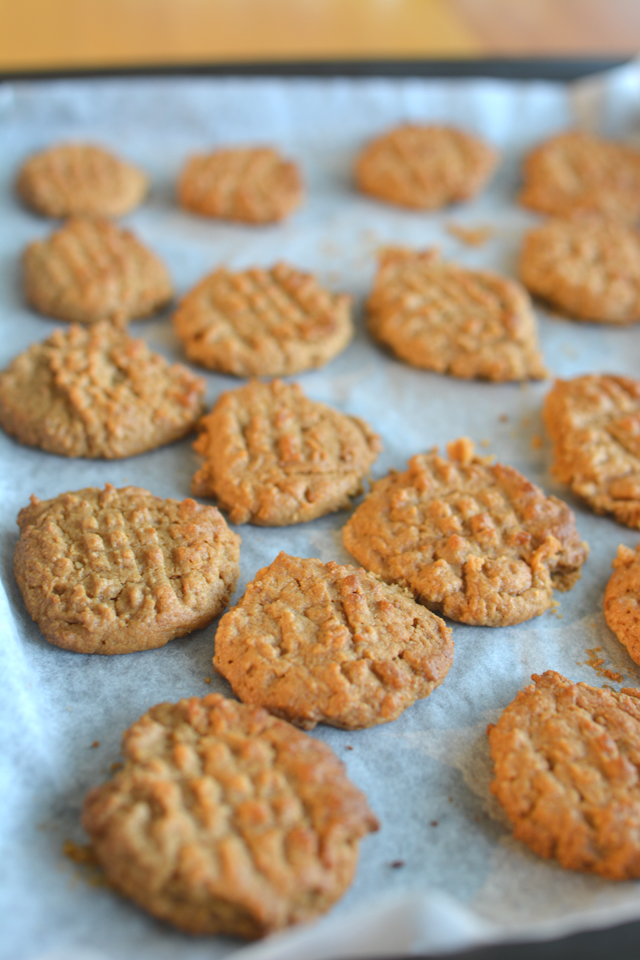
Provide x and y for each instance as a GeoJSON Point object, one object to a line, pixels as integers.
{"type": "Point", "coordinates": [459, 877]}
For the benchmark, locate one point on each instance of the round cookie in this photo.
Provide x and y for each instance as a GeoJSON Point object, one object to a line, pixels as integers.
{"type": "Point", "coordinates": [622, 600]}
{"type": "Point", "coordinates": [594, 425]}
{"type": "Point", "coordinates": [587, 266]}
{"type": "Point", "coordinates": [247, 184]}
{"type": "Point", "coordinates": [225, 819]}
{"type": "Point", "coordinates": [262, 322]}
{"type": "Point", "coordinates": [442, 317]}
{"type": "Point", "coordinates": [567, 769]}
{"type": "Point", "coordinates": [70, 179]}
{"type": "Point", "coordinates": [114, 571]}
{"type": "Point", "coordinates": [424, 167]}
{"type": "Point", "coordinates": [96, 392]}
{"type": "Point", "coordinates": [474, 540]}
{"type": "Point", "coordinates": [324, 643]}
{"type": "Point", "coordinates": [273, 457]}
{"type": "Point", "coordinates": [577, 171]}
{"type": "Point", "coordinates": [91, 270]}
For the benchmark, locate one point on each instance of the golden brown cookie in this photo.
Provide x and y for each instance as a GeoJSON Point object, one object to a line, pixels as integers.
{"type": "Point", "coordinates": [587, 266]}
{"type": "Point", "coordinates": [567, 772]}
{"type": "Point", "coordinates": [248, 184]}
{"type": "Point", "coordinates": [96, 392]}
{"type": "Point", "coordinates": [577, 171]}
{"type": "Point", "coordinates": [324, 643]}
{"type": "Point", "coordinates": [71, 179]}
{"type": "Point", "coordinates": [424, 167]}
{"type": "Point", "coordinates": [622, 600]}
{"type": "Point", "coordinates": [474, 540]}
{"type": "Point", "coordinates": [594, 424]}
{"type": "Point", "coordinates": [113, 571]}
{"type": "Point", "coordinates": [274, 457]}
{"type": "Point", "coordinates": [225, 819]}
{"type": "Point", "coordinates": [91, 270]}
{"type": "Point", "coordinates": [263, 322]}
{"type": "Point", "coordinates": [442, 317]}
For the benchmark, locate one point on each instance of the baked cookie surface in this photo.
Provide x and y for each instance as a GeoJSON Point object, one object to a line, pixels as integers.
{"type": "Point", "coordinates": [92, 270]}
{"type": "Point", "coordinates": [622, 600]}
{"type": "Point", "coordinates": [96, 392]}
{"type": "Point", "coordinates": [567, 769]}
{"type": "Point", "coordinates": [114, 571]}
{"type": "Point", "coordinates": [424, 167]}
{"type": "Point", "coordinates": [263, 322]}
{"type": "Point", "coordinates": [474, 541]}
{"type": "Point", "coordinates": [273, 457]}
{"type": "Point", "coordinates": [225, 819]}
{"type": "Point", "coordinates": [577, 171]}
{"type": "Point", "coordinates": [248, 184]}
{"type": "Point", "coordinates": [325, 643]}
{"type": "Point", "coordinates": [587, 266]}
{"type": "Point", "coordinates": [70, 179]}
{"type": "Point", "coordinates": [442, 317]}
{"type": "Point", "coordinates": [594, 425]}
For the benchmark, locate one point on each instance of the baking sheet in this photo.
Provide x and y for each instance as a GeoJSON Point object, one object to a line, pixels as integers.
{"type": "Point", "coordinates": [462, 879]}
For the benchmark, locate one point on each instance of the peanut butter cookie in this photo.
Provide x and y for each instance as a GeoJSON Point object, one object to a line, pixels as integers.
{"type": "Point", "coordinates": [225, 819]}
{"type": "Point", "coordinates": [622, 600]}
{"type": "Point", "coordinates": [587, 266]}
{"type": "Point", "coordinates": [72, 179]}
{"type": "Point", "coordinates": [577, 171]}
{"type": "Point", "coordinates": [424, 167]}
{"type": "Point", "coordinates": [96, 392]}
{"type": "Point", "coordinates": [274, 457]}
{"type": "Point", "coordinates": [567, 772]}
{"type": "Point", "coordinates": [113, 571]}
{"type": "Point", "coordinates": [263, 322]}
{"type": "Point", "coordinates": [324, 643]}
{"type": "Point", "coordinates": [594, 424]}
{"type": "Point", "coordinates": [439, 316]}
{"type": "Point", "coordinates": [91, 270]}
{"type": "Point", "coordinates": [474, 541]}
{"type": "Point", "coordinates": [248, 184]}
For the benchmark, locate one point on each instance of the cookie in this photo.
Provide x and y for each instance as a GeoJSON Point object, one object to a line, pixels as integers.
{"type": "Point", "coordinates": [622, 600]}
{"type": "Point", "coordinates": [225, 819]}
{"type": "Point", "coordinates": [274, 457]}
{"type": "Point", "coordinates": [442, 317]}
{"type": "Point", "coordinates": [263, 322]}
{"type": "Point", "coordinates": [247, 184]}
{"type": "Point", "coordinates": [474, 540]}
{"type": "Point", "coordinates": [71, 179]}
{"type": "Point", "coordinates": [91, 270]}
{"type": "Point", "coordinates": [594, 424]}
{"type": "Point", "coordinates": [567, 772]}
{"type": "Point", "coordinates": [96, 392]}
{"type": "Point", "coordinates": [577, 171]}
{"type": "Point", "coordinates": [113, 571]}
{"type": "Point", "coordinates": [424, 167]}
{"type": "Point", "coordinates": [586, 266]}
{"type": "Point", "coordinates": [325, 643]}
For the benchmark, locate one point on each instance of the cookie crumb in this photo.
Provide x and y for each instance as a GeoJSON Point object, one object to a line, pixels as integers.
{"type": "Point", "coordinates": [472, 236]}
{"type": "Point", "coordinates": [397, 863]}
{"type": "Point", "coordinates": [207, 679]}
{"type": "Point", "coordinates": [114, 767]}
{"type": "Point", "coordinates": [347, 747]}
{"type": "Point", "coordinates": [504, 418]}
{"type": "Point", "coordinates": [96, 743]}
{"type": "Point", "coordinates": [434, 823]}
{"type": "Point", "coordinates": [80, 853]}
{"type": "Point", "coordinates": [596, 663]}
{"type": "Point", "coordinates": [536, 441]}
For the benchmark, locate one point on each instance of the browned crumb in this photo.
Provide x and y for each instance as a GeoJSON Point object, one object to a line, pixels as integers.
{"type": "Point", "coordinates": [114, 767]}
{"type": "Point", "coordinates": [80, 853]}
{"type": "Point", "coordinates": [397, 863]}
{"type": "Point", "coordinates": [472, 236]}
{"type": "Point", "coordinates": [96, 743]}
{"type": "Point", "coordinates": [504, 418]}
{"type": "Point", "coordinates": [434, 823]}
{"type": "Point", "coordinates": [596, 663]}
{"type": "Point", "coordinates": [207, 679]}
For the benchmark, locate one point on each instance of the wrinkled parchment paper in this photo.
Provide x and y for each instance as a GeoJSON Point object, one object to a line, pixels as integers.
{"type": "Point", "coordinates": [444, 871]}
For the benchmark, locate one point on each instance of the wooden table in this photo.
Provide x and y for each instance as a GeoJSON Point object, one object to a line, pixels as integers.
{"type": "Point", "coordinates": [70, 34]}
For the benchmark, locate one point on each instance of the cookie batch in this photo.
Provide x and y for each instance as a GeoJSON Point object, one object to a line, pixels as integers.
{"type": "Point", "coordinates": [226, 817]}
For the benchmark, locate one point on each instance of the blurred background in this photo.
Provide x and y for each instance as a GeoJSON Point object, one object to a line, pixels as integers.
{"type": "Point", "coordinates": [79, 34]}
